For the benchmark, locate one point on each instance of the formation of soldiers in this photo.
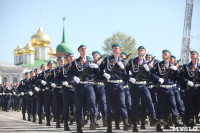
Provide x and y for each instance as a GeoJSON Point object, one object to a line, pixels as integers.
{"type": "Point", "coordinates": [141, 91]}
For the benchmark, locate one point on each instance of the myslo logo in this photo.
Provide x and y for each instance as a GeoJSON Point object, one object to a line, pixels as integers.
{"type": "Point", "coordinates": [186, 129]}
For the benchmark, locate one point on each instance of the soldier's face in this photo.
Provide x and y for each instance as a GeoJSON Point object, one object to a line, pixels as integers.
{"type": "Point", "coordinates": [166, 55]}
{"type": "Point", "coordinates": [141, 52]}
{"type": "Point", "coordinates": [194, 56]}
{"type": "Point", "coordinates": [148, 58]}
{"type": "Point", "coordinates": [172, 61]}
{"type": "Point", "coordinates": [61, 62]}
{"type": "Point", "coordinates": [36, 72]}
{"type": "Point", "coordinates": [83, 51]}
{"type": "Point", "coordinates": [116, 50]}
{"type": "Point", "coordinates": [27, 76]}
{"type": "Point", "coordinates": [95, 56]}
{"type": "Point", "coordinates": [70, 58]}
{"type": "Point", "coordinates": [17, 83]}
{"type": "Point", "coordinates": [32, 74]}
{"type": "Point", "coordinates": [51, 65]}
{"type": "Point", "coordinates": [44, 68]}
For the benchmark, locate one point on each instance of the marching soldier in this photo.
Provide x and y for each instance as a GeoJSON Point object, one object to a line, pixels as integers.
{"type": "Point", "coordinates": [99, 89]}
{"type": "Point", "coordinates": [139, 78]}
{"type": "Point", "coordinates": [165, 94]}
{"type": "Point", "coordinates": [41, 84]}
{"type": "Point", "coordinates": [84, 86]}
{"type": "Point", "coordinates": [24, 91]}
{"type": "Point", "coordinates": [68, 91]}
{"type": "Point", "coordinates": [190, 75]}
{"type": "Point", "coordinates": [48, 93]}
{"type": "Point", "coordinates": [7, 96]}
{"type": "Point", "coordinates": [113, 69]}
{"type": "Point", "coordinates": [58, 92]}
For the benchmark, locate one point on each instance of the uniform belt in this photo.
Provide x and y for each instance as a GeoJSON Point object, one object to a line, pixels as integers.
{"type": "Point", "coordinates": [60, 87]}
{"type": "Point", "coordinates": [174, 85]}
{"type": "Point", "coordinates": [166, 86]}
{"type": "Point", "coordinates": [196, 85]}
{"type": "Point", "coordinates": [126, 86]}
{"type": "Point", "coordinates": [46, 88]}
{"type": "Point", "coordinates": [86, 82]}
{"type": "Point", "coordinates": [115, 81]}
{"type": "Point", "coordinates": [150, 86]}
{"type": "Point", "coordinates": [8, 94]}
{"type": "Point", "coordinates": [140, 82]}
{"type": "Point", "coordinates": [98, 83]}
{"type": "Point", "coordinates": [1, 94]}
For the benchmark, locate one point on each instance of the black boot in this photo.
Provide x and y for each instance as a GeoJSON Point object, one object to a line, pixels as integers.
{"type": "Point", "coordinates": [117, 124]}
{"type": "Point", "coordinates": [24, 117]}
{"type": "Point", "coordinates": [127, 126]}
{"type": "Point", "coordinates": [109, 128]}
{"type": "Point", "coordinates": [135, 127]}
{"type": "Point", "coordinates": [29, 117]}
{"type": "Point", "coordinates": [158, 128]}
{"type": "Point", "coordinates": [143, 124]}
{"type": "Point", "coordinates": [40, 119]}
{"type": "Point", "coordinates": [79, 130]}
{"type": "Point", "coordinates": [176, 122]}
{"type": "Point", "coordinates": [191, 123]}
{"type": "Point", "coordinates": [167, 126]}
{"type": "Point", "coordinates": [92, 123]}
{"type": "Point", "coordinates": [197, 119]}
{"type": "Point", "coordinates": [71, 122]}
{"type": "Point", "coordinates": [66, 126]}
{"type": "Point", "coordinates": [34, 120]}
{"type": "Point", "coordinates": [104, 120]}
{"type": "Point", "coordinates": [57, 123]}
{"type": "Point", "coordinates": [170, 120]}
{"type": "Point", "coordinates": [54, 119]}
{"type": "Point", "coordinates": [48, 121]}
{"type": "Point", "coordinates": [154, 121]}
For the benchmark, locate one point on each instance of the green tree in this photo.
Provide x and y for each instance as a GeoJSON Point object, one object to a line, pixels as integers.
{"type": "Point", "coordinates": [127, 42]}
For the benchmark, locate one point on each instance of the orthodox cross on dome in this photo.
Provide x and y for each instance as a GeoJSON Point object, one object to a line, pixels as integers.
{"type": "Point", "coordinates": [64, 20]}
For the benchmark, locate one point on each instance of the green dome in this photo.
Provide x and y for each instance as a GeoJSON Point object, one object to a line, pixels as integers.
{"type": "Point", "coordinates": [63, 46]}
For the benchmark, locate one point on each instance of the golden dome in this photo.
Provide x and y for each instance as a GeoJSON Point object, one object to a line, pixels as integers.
{"type": "Point", "coordinates": [18, 50]}
{"type": "Point", "coordinates": [28, 48]}
{"type": "Point", "coordinates": [52, 51]}
{"type": "Point", "coordinates": [40, 39]}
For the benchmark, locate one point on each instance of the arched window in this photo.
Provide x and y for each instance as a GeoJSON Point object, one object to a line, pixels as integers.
{"type": "Point", "coordinates": [4, 79]}
{"type": "Point", "coordinates": [15, 80]}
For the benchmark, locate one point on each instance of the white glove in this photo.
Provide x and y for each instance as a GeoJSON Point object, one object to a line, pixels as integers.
{"type": "Point", "coordinates": [14, 93]}
{"type": "Point", "coordinates": [3, 93]}
{"type": "Point", "coordinates": [8, 88]}
{"type": "Point", "coordinates": [76, 79]}
{"type": "Point", "coordinates": [190, 83]}
{"type": "Point", "coordinates": [173, 68]}
{"type": "Point", "coordinates": [53, 85]}
{"type": "Point", "coordinates": [10, 94]}
{"type": "Point", "coordinates": [107, 76]}
{"type": "Point", "coordinates": [65, 83]}
{"type": "Point", "coordinates": [146, 67]}
{"type": "Point", "coordinates": [130, 73]}
{"type": "Point", "coordinates": [93, 65]}
{"type": "Point", "coordinates": [121, 65]}
{"type": "Point", "coordinates": [30, 93]}
{"type": "Point", "coordinates": [22, 93]}
{"type": "Point", "coordinates": [161, 80]}
{"type": "Point", "coordinates": [43, 82]}
{"type": "Point", "coordinates": [36, 89]}
{"type": "Point", "coordinates": [132, 80]}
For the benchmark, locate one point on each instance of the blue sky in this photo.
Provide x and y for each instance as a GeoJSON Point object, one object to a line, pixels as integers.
{"type": "Point", "coordinates": [155, 24]}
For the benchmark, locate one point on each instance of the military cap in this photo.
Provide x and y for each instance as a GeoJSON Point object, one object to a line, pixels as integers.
{"type": "Point", "coordinates": [71, 53]}
{"type": "Point", "coordinates": [124, 53]}
{"type": "Point", "coordinates": [88, 57]}
{"type": "Point", "coordinates": [117, 45]}
{"type": "Point", "coordinates": [156, 60]}
{"type": "Point", "coordinates": [172, 56]}
{"type": "Point", "coordinates": [166, 50]}
{"type": "Point", "coordinates": [36, 69]}
{"type": "Point", "coordinates": [141, 47]}
{"type": "Point", "coordinates": [96, 52]}
{"type": "Point", "coordinates": [194, 52]}
{"type": "Point", "coordinates": [82, 45]}
{"type": "Point", "coordinates": [31, 71]}
{"type": "Point", "coordinates": [41, 66]}
{"type": "Point", "coordinates": [26, 73]}
{"type": "Point", "coordinates": [148, 55]}
{"type": "Point", "coordinates": [60, 57]}
{"type": "Point", "coordinates": [49, 62]}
